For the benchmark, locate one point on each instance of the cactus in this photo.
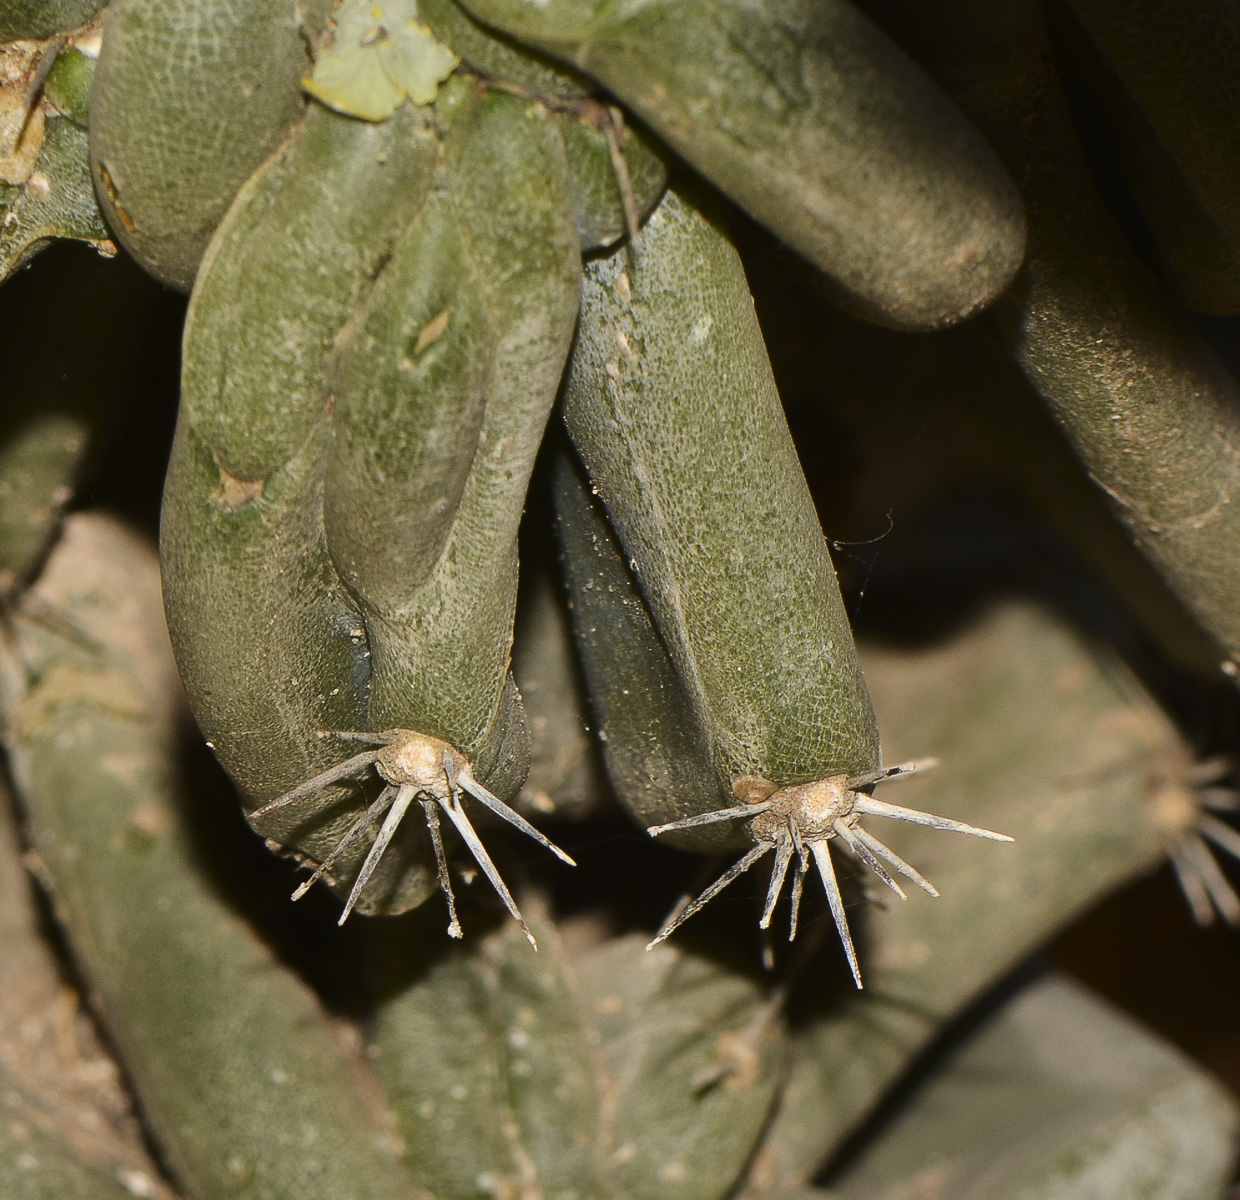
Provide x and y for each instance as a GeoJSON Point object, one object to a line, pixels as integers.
{"type": "Point", "coordinates": [497, 505]}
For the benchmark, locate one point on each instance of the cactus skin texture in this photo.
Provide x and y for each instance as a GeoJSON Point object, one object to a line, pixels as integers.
{"type": "Point", "coordinates": [1150, 410]}
{"type": "Point", "coordinates": [850, 156]}
{"type": "Point", "coordinates": [71, 1130]}
{"type": "Point", "coordinates": [587, 125]}
{"type": "Point", "coordinates": [234, 1061]}
{"type": "Point", "coordinates": [386, 485]}
{"type": "Point", "coordinates": [1155, 1128]}
{"type": "Point", "coordinates": [242, 533]}
{"type": "Point", "coordinates": [384, 314]}
{"type": "Point", "coordinates": [973, 695]}
{"type": "Point", "coordinates": [662, 394]}
{"type": "Point", "coordinates": [656, 753]}
{"type": "Point", "coordinates": [190, 98]}
{"type": "Point", "coordinates": [38, 19]}
{"type": "Point", "coordinates": [594, 1069]}
{"type": "Point", "coordinates": [45, 185]}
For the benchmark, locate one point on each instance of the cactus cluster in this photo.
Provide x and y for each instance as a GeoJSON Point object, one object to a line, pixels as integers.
{"type": "Point", "coordinates": [529, 348]}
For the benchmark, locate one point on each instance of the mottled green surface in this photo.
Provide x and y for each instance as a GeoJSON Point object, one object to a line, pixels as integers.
{"type": "Point", "coordinates": [246, 1090]}
{"type": "Point", "coordinates": [596, 190]}
{"type": "Point", "coordinates": [34, 1167]}
{"type": "Point", "coordinates": [56, 201]}
{"type": "Point", "coordinates": [43, 18]}
{"type": "Point", "coordinates": [190, 97]}
{"type": "Point", "coordinates": [293, 262]}
{"type": "Point", "coordinates": [657, 756]}
{"type": "Point", "coordinates": [242, 529]}
{"type": "Point", "coordinates": [1056, 1097]}
{"type": "Point", "coordinates": [811, 120]}
{"type": "Point", "coordinates": [66, 1125]}
{"type": "Point", "coordinates": [672, 406]}
{"type": "Point", "coordinates": [1036, 738]}
{"type": "Point", "coordinates": [351, 464]}
{"type": "Point", "coordinates": [1154, 415]}
{"type": "Point", "coordinates": [497, 57]}
{"type": "Point", "coordinates": [69, 84]}
{"type": "Point", "coordinates": [441, 646]}
{"type": "Point", "coordinates": [593, 1069]}
{"type": "Point", "coordinates": [596, 193]}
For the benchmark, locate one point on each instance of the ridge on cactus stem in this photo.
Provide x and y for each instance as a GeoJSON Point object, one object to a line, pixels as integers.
{"type": "Point", "coordinates": [414, 766]}
{"type": "Point", "coordinates": [800, 820]}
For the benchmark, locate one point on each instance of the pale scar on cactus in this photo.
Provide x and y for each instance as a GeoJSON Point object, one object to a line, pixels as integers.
{"type": "Point", "coordinates": [414, 766]}
{"type": "Point", "coordinates": [798, 822]}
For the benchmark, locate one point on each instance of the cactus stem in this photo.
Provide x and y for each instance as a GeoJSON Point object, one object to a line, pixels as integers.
{"type": "Point", "coordinates": [801, 819]}
{"type": "Point", "coordinates": [418, 767]}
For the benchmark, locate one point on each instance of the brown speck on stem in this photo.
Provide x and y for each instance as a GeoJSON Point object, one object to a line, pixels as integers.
{"type": "Point", "coordinates": [432, 332]}
{"type": "Point", "coordinates": [234, 492]}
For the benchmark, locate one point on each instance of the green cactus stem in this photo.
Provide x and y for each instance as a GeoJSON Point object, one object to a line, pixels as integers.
{"type": "Point", "coordinates": [1153, 414]}
{"type": "Point", "coordinates": [1037, 736]}
{"type": "Point", "coordinates": [245, 1088]}
{"type": "Point", "coordinates": [38, 19]}
{"type": "Point", "coordinates": [811, 120]}
{"type": "Point", "coordinates": [592, 1070]}
{"type": "Point", "coordinates": [242, 531]}
{"type": "Point", "coordinates": [1055, 1096]}
{"type": "Point", "coordinates": [189, 99]}
{"type": "Point", "coordinates": [69, 1128]}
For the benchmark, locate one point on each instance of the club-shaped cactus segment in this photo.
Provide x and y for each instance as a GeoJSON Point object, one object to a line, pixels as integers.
{"type": "Point", "coordinates": [417, 767]}
{"type": "Point", "coordinates": [799, 821]}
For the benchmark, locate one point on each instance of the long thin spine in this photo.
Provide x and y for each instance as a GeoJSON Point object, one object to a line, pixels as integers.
{"type": "Point", "coordinates": [897, 772]}
{"type": "Point", "coordinates": [404, 798]}
{"type": "Point", "coordinates": [1223, 836]}
{"type": "Point", "coordinates": [710, 818]}
{"type": "Point", "coordinates": [863, 853]}
{"type": "Point", "coordinates": [779, 872]}
{"type": "Point", "coordinates": [468, 783]}
{"type": "Point", "coordinates": [895, 860]}
{"type": "Point", "coordinates": [431, 809]}
{"type": "Point", "coordinates": [359, 827]}
{"type": "Point", "coordinates": [456, 814]}
{"type": "Point", "coordinates": [1221, 892]}
{"type": "Point", "coordinates": [736, 870]}
{"type": "Point", "coordinates": [345, 770]}
{"type": "Point", "coordinates": [822, 856]}
{"type": "Point", "coordinates": [798, 886]}
{"type": "Point", "coordinates": [880, 808]}
{"type": "Point", "coordinates": [1192, 887]}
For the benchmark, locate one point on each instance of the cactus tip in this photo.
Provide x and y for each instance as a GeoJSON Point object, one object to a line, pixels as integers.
{"type": "Point", "coordinates": [798, 821]}
{"type": "Point", "coordinates": [417, 767]}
